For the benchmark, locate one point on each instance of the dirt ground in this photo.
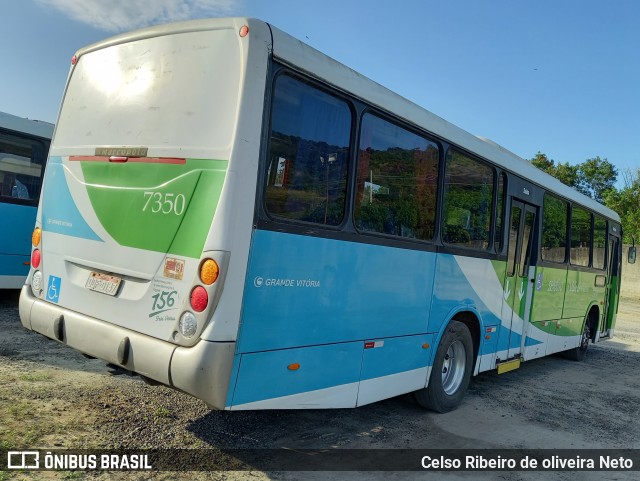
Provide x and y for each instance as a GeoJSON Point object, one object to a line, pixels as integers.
{"type": "Point", "coordinates": [53, 397]}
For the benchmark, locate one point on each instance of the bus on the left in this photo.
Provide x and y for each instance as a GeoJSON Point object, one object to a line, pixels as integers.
{"type": "Point", "coordinates": [24, 145]}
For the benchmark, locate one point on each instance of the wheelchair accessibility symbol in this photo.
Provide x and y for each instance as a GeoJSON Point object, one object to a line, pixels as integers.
{"type": "Point", "coordinates": [53, 289]}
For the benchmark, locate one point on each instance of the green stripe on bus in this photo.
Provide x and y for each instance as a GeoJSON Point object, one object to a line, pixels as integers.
{"type": "Point", "coordinates": [157, 207]}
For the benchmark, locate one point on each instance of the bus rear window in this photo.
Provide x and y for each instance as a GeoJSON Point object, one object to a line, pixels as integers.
{"type": "Point", "coordinates": [169, 92]}
{"type": "Point", "coordinates": [308, 154]}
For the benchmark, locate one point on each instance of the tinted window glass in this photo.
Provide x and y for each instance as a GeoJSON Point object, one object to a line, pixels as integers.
{"type": "Point", "coordinates": [21, 162]}
{"type": "Point", "coordinates": [397, 181]}
{"type": "Point", "coordinates": [500, 212]}
{"type": "Point", "coordinates": [525, 250]}
{"type": "Point", "coordinates": [308, 154]}
{"type": "Point", "coordinates": [554, 229]}
{"type": "Point", "coordinates": [599, 242]}
{"type": "Point", "coordinates": [580, 236]}
{"type": "Point", "coordinates": [468, 199]}
{"type": "Point", "coordinates": [513, 240]}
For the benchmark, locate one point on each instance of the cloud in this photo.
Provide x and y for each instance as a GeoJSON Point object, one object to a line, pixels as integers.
{"type": "Point", "coordinates": [124, 15]}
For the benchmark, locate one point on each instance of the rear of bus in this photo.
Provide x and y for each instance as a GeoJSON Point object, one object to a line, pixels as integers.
{"type": "Point", "coordinates": [150, 183]}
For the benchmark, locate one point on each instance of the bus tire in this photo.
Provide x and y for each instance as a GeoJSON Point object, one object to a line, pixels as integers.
{"type": "Point", "coordinates": [451, 370]}
{"type": "Point", "coordinates": [580, 353]}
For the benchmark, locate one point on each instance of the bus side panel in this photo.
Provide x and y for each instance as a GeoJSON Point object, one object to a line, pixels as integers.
{"type": "Point", "coordinates": [580, 293]}
{"type": "Point", "coordinates": [394, 366]}
{"type": "Point", "coordinates": [15, 244]}
{"type": "Point", "coordinates": [548, 294]}
{"type": "Point", "coordinates": [474, 285]}
{"type": "Point", "coordinates": [303, 291]}
{"type": "Point", "coordinates": [309, 377]}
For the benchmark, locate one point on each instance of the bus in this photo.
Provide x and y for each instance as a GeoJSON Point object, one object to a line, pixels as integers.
{"type": "Point", "coordinates": [24, 144]}
{"type": "Point", "coordinates": [231, 213]}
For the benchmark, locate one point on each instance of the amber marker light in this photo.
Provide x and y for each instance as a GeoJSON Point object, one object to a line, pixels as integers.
{"type": "Point", "coordinates": [425, 346]}
{"type": "Point", "coordinates": [293, 367]}
{"type": "Point", "coordinates": [36, 237]}
{"type": "Point", "coordinates": [209, 271]}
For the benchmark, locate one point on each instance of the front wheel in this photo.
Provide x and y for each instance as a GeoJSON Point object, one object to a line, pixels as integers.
{"type": "Point", "coordinates": [451, 370]}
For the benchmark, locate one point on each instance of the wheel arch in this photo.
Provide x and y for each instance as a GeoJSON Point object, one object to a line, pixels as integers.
{"type": "Point", "coordinates": [471, 318]}
{"type": "Point", "coordinates": [592, 318]}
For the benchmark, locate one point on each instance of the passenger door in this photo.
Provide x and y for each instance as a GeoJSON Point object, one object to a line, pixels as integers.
{"type": "Point", "coordinates": [519, 277]}
{"type": "Point", "coordinates": [611, 291]}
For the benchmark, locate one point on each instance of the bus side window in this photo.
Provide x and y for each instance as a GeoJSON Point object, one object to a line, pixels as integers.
{"type": "Point", "coordinates": [308, 154]}
{"type": "Point", "coordinates": [554, 229]}
{"type": "Point", "coordinates": [468, 201]}
{"type": "Point", "coordinates": [396, 182]}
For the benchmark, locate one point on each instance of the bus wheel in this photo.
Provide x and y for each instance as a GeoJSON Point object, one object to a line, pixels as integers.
{"type": "Point", "coordinates": [579, 353]}
{"type": "Point", "coordinates": [451, 370]}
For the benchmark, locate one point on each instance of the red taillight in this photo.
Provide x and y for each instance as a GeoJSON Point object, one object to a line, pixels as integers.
{"type": "Point", "coordinates": [74, 60]}
{"type": "Point", "coordinates": [35, 258]}
{"type": "Point", "coordinates": [199, 299]}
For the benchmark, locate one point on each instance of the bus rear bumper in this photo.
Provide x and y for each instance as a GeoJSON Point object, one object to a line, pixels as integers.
{"type": "Point", "coordinates": [203, 370]}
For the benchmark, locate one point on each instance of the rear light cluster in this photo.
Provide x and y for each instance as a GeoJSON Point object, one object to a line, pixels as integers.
{"type": "Point", "coordinates": [199, 298]}
{"type": "Point", "coordinates": [36, 260]}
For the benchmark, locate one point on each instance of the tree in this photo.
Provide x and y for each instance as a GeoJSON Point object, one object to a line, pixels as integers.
{"type": "Point", "coordinates": [542, 162]}
{"type": "Point", "coordinates": [565, 173]}
{"type": "Point", "coordinates": [596, 177]}
{"type": "Point", "coordinates": [626, 202]}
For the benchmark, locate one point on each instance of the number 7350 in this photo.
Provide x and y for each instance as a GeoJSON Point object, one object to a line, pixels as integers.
{"type": "Point", "coordinates": [167, 203]}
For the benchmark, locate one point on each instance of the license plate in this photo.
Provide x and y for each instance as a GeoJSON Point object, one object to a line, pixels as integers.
{"type": "Point", "coordinates": [103, 283]}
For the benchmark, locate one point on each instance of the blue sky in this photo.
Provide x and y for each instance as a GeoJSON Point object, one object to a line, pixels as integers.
{"type": "Point", "coordinates": [557, 76]}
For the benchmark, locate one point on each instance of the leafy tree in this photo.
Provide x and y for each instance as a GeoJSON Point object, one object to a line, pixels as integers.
{"type": "Point", "coordinates": [626, 202]}
{"type": "Point", "coordinates": [565, 173]}
{"type": "Point", "coordinates": [544, 163]}
{"type": "Point", "coordinates": [593, 177]}
{"type": "Point", "coordinates": [596, 177]}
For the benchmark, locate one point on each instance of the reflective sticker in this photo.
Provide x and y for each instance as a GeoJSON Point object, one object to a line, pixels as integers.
{"type": "Point", "coordinates": [53, 289]}
{"type": "Point", "coordinates": [174, 268]}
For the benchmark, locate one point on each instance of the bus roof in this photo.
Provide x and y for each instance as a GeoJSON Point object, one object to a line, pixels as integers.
{"type": "Point", "coordinates": [305, 58]}
{"type": "Point", "coordinates": [38, 128]}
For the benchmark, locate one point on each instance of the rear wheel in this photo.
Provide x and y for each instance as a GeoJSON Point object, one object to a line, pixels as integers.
{"type": "Point", "coordinates": [451, 370]}
{"type": "Point", "coordinates": [580, 353]}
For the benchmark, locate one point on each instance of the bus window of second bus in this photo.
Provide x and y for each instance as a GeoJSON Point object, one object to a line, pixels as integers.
{"type": "Point", "coordinates": [20, 167]}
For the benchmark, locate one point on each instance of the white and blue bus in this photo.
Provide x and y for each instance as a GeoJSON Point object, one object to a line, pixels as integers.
{"type": "Point", "coordinates": [231, 213]}
{"type": "Point", "coordinates": [24, 145]}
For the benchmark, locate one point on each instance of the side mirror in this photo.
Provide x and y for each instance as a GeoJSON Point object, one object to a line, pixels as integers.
{"type": "Point", "coordinates": [631, 256]}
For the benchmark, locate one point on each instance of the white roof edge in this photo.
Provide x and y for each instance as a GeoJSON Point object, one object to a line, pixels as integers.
{"type": "Point", "coordinates": [39, 128]}
{"type": "Point", "coordinates": [170, 29]}
{"type": "Point", "coordinates": [306, 58]}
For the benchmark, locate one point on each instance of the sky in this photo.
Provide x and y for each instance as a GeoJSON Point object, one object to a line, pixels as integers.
{"type": "Point", "coordinates": [557, 76]}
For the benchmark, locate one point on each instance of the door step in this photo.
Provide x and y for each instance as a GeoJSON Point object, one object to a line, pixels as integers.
{"type": "Point", "coordinates": [508, 365]}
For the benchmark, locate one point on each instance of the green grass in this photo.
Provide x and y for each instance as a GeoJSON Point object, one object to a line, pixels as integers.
{"type": "Point", "coordinates": [162, 412]}
{"type": "Point", "coordinates": [36, 377]}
